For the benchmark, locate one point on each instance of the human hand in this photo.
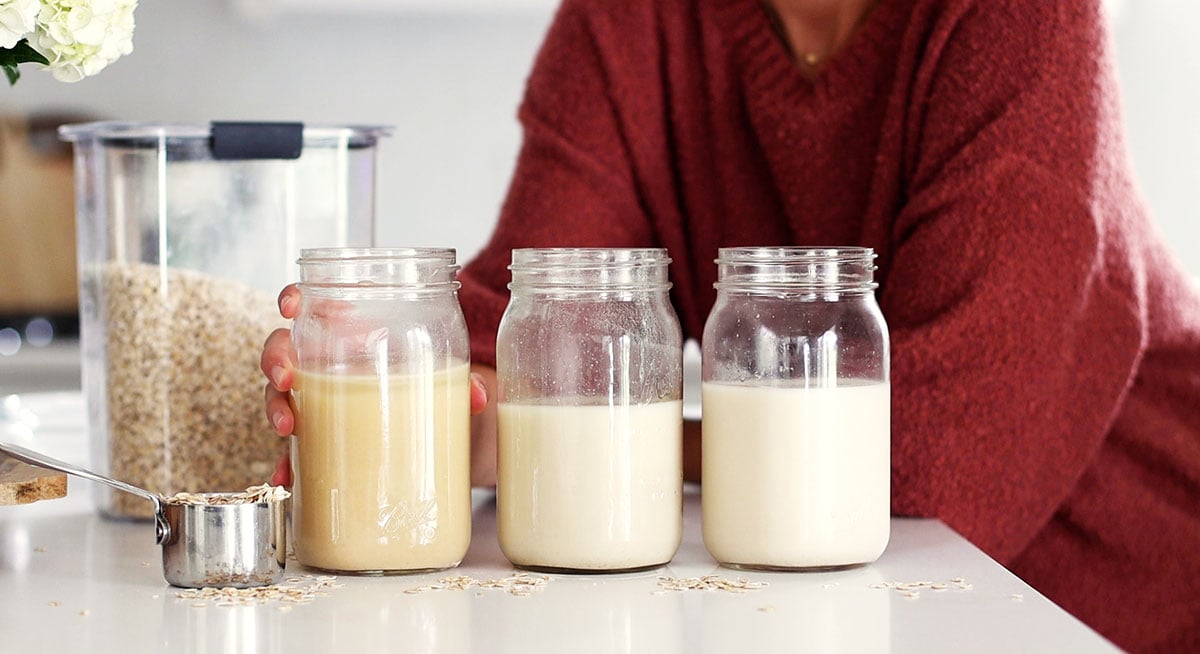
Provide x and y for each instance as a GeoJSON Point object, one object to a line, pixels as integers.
{"type": "Point", "coordinates": [278, 363]}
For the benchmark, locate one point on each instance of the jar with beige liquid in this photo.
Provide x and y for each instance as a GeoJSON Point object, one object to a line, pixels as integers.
{"type": "Point", "coordinates": [589, 360]}
{"type": "Point", "coordinates": [382, 401]}
{"type": "Point", "coordinates": [796, 454]}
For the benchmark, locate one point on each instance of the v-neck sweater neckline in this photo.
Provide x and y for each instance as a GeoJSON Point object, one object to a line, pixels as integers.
{"type": "Point", "coordinates": [768, 67]}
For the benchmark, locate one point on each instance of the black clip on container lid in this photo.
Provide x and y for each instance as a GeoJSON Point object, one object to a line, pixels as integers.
{"type": "Point", "coordinates": [256, 140]}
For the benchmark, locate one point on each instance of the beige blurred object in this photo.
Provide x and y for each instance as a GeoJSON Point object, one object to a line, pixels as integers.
{"type": "Point", "coordinates": [37, 219]}
{"type": "Point", "coordinates": [21, 483]}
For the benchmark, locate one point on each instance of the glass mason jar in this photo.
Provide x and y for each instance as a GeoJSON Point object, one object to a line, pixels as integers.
{"type": "Point", "coordinates": [796, 458]}
{"type": "Point", "coordinates": [589, 359]}
{"type": "Point", "coordinates": [382, 402]}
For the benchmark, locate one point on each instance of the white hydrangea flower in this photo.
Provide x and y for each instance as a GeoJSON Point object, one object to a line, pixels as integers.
{"type": "Point", "coordinates": [81, 37]}
{"type": "Point", "coordinates": [17, 20]}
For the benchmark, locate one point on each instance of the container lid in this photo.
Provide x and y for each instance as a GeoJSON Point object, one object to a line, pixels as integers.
{"type": "Point", "coordinates": [227, 140]}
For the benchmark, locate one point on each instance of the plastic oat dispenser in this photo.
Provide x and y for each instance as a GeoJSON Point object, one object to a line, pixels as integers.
{"type": "Point", "coordinates": [186, 234]}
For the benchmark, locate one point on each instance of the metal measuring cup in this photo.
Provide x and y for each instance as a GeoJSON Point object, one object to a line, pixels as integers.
{"type": "Point", "coordinates": [237, 545]}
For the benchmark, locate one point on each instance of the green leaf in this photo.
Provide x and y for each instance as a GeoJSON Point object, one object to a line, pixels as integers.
{"type": "Point", "coordinates": [21, 53]}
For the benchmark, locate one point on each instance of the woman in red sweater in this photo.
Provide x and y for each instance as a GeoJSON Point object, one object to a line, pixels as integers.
{"type": "Point", "coordinates": [1046, 344]}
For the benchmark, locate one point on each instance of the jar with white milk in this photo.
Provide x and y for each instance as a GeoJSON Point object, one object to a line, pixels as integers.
{"type": "Point", "coordinates": [589, 359]}
{"type": "Point", "coordinates": [382, 402]}
{"type": "Point", "coordinates": [796, 454]}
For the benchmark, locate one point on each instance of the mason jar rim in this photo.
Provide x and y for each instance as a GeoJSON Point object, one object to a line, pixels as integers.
{"type": "Point", "coordinates": [590, 270]}
{"type": "Point", "coordinates": [577, 258]}
{"type": "Point", "coordinates": [334, 254]}
{"type": "Point", "coordinates": [792, 254]}
{"type": "Point", "coordinates": [788, 270]}
{"type": "Point", "coordinates": [412, 268]}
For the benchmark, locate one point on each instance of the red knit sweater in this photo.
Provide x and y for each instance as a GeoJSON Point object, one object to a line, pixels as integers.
{"type": "Point", "coordinates": [1046, 346]}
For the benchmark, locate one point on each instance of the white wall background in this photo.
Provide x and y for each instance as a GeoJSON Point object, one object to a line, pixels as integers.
{"type": "Point", "coordinates": [1158, 61]}
{"type": "Point", "coordinates": [449, 80]}
{"type": "Point", "coordinates": [449, 76]}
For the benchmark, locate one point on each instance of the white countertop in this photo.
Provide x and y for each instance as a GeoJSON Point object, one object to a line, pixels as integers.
{"type": "Point", "coordinates": [71, 581]}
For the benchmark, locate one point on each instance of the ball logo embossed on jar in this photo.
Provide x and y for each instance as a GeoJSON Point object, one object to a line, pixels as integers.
{"type": "Point", "coordinates": [796, 410]}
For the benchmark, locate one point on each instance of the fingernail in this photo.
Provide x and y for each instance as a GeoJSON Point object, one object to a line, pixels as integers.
{"type": "Point", "coordinates": [287, 303]}
{"type": "Point", "coordinates": [276, 419]}
{"type": "Point", "coordinates": [277, 376]}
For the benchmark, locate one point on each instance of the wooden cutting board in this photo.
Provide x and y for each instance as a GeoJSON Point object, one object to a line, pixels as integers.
{"type": "Point", "coordinates": [21, 483]}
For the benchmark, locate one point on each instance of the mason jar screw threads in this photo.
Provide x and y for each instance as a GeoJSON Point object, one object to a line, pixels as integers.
{"type": "Point", "coordinates": [589, 362]}
{"type": "Point", "coordinates": [382, 401]}
{"type": "Point", "coordinates": [796, 410]}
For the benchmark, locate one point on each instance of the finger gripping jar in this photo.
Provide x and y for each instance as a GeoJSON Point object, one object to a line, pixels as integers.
{"type": "Point", "coordinates": [382, 404]}
{"type": "Point", "coordinates": [796, 410]}
{"type": "Point", "coordinates": [589, 362]}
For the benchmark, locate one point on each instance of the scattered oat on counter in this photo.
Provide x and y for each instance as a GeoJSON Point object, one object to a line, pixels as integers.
{"type": "Point", "coordinates": [39, 550]}
{"type": "Point", "coordinates": [293, 590]}
{"type": "Point", "coordinates": [252, 495]}
{"type": "Point", "coordinates": [707, 582]}
{"type": "Point", "coordinates": [519, 584]}
{"type": "Point", "coordinates": [912, 589]}
{"type": "Point", "coordinates": [84, 613]}
{"type": "Point", "coordinates": [1017, 597]}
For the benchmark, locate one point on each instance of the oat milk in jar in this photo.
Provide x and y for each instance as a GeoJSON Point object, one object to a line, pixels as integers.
{"type": "Point", "coordinates": [382, 401]}
{"type": "Point", "coordinates": [589, 362]}
{"type": "Point", "coordinates": [796, 410]}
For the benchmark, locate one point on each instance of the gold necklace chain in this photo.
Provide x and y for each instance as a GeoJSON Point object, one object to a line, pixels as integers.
{"type": "Point", "coordinates": [811, 59]}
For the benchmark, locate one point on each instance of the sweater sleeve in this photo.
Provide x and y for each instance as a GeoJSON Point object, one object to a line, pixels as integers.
{"type": "Point", "coordinates": [573, 185]}
{"type": "Point", "coordinates": [1015, 298]}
